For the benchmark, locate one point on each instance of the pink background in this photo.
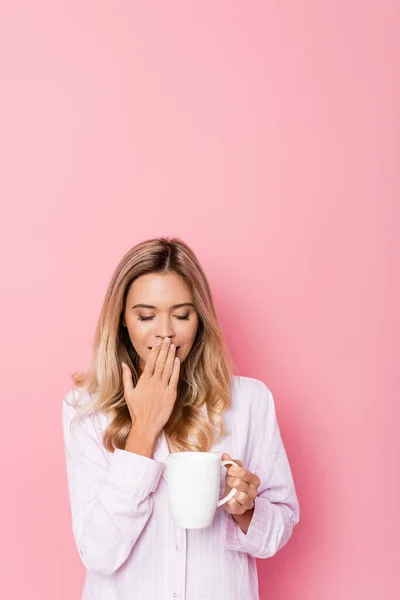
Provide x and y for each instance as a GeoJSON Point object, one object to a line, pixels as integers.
{"type": "Point", "coordinates": [266, 135]}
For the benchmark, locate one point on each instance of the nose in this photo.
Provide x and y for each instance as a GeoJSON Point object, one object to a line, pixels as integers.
{"type": "Point", "coordinates": [164, 328]}
{"type": "Point", "coordinates": [162, 337]}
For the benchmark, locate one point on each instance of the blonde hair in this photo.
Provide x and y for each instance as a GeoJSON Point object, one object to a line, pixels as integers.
{"type": "Point", "coordinates": [205, 375]}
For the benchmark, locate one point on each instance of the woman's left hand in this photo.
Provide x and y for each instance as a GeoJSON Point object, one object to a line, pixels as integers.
{"type": "Point", "coordinates": [246, 484]}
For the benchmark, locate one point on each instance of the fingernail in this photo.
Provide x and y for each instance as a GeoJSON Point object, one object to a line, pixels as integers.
{"type": "Point", "coordinates": [166, 340]}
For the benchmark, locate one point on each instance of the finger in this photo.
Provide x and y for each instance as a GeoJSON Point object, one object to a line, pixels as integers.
{"type": "Point", "coordinates": [243, 475]}
{"type": "Point", "coordinates": [244, 500]}
{"type": "Point", "coordinates": [236, 471]}
{"type": "Point", "coordinates": [162, 357]}
{"type": "Point", "coordinates": [241, 486]}
{"type": "Point", "coordinates": [250, 478]}
{"type": "Point", "coordinates": [151, 359]}
{"type": "Point", "coordinates": [226, 456]}
{"type": "Point", "coordinates": [169, 364]}
{"type": "Point", "coordinates": [234, 507]}
{"type": "Point", "coordinates": [127, 381]}
{"type": "Point", "coordinates": [173, 382]}
{"type": "Point", "coordinates": [240, 472]}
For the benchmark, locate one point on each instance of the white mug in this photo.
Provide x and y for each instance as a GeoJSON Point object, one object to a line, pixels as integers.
{"type": "Point", "coordinates": [193, 487]}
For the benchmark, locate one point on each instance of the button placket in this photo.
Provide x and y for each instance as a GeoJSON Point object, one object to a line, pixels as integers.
{"type": "Point", "coordinates": [179, 564]}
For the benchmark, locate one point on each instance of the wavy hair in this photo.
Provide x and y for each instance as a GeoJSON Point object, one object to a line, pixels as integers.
{"type": "Point", "coordinates": [205, 375]}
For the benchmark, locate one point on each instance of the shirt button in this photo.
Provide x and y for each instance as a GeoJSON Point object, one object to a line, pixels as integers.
{"type": "Point", "coordinates": [175, 595]}
{"type": "Point", "coordinates": [177, 548]}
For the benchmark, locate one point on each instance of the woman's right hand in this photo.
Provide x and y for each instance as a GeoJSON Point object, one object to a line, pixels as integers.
{"type": "Point", "coordinates": [150, 403]}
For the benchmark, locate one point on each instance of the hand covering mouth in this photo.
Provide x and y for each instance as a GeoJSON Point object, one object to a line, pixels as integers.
{"type": "Point", "coordinates": [150, 347]}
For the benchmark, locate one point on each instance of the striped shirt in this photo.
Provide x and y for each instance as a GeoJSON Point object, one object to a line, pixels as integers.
{"type": "Point", "coordinates": [121, 522]}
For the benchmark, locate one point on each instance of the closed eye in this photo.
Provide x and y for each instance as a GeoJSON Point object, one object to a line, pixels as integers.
{"type": "Point", "coordinates": [186, 318]}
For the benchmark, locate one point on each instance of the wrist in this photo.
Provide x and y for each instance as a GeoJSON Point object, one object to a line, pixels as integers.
{"type": "Point", "coordinates": [144, 432]}
{"type": "Point", "coordinates": [244, 520]}
{"type": "Point", "coordinates": [140, 441]}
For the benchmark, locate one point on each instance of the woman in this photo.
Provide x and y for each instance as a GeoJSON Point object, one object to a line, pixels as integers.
{"type": "Point", "coordinates": [161, 380]}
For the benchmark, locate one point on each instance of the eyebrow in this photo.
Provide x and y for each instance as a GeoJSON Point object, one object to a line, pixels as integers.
{"type": "Point", "coordinates": [155, 307]}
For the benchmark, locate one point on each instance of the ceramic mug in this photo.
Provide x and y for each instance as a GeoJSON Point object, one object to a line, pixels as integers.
{"type": "Point", "coordinates": [193, 487]}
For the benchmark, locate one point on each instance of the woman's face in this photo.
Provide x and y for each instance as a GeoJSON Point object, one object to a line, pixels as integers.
{"type": "Point", "coordinates": [152, 312]}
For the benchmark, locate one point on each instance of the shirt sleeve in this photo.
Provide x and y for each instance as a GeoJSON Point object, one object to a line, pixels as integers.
{"type": "Point", "coordinates": [276, 507]}
{"type": "Point", "coordinates": [109, 493]}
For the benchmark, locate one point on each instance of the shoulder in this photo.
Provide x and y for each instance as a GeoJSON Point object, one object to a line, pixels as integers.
{"type": "Point", "coordinates": [251, 395]}
{"type": "Point", "coordinates": [249, 388]}
{"type": "Point", "coordinates": [76, 398]}
{"type": "Point", "coordinates": [76, 407]}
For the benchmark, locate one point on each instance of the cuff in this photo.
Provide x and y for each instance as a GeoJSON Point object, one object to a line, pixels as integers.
{"type": "Point", "coordinates": [134, 469]}
{"type": "Point", "coordinates": [251, 541]}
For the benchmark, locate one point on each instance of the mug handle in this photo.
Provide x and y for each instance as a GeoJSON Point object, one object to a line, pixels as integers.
{"type": "Point", "coordinates": [233, 490]}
